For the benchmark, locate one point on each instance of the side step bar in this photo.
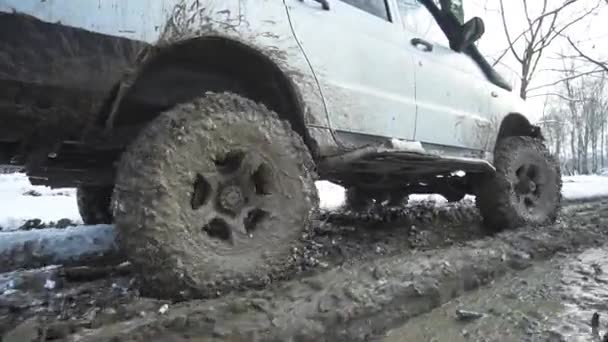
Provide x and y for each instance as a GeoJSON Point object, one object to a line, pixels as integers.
{"type": "Point", "coordinates": [402, 157]}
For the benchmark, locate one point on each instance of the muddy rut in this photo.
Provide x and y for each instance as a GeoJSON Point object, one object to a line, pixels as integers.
{"type": "Point", "coordinates": [356, 280]}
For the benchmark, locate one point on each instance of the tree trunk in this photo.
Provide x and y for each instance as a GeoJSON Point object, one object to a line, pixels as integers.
{"type": "Point", "coordinates": [585, 169]}
{"type": "Point", "coordinates": [558, 144]}
{"type": "Point", "coordinates": [594, 154]}
{"type": "Point", "coordinates": [573, 150]}
{"type": "Point", "coordinates": [602, 145]}
{"type": "Point", "coordinates": [579, 151]}
{"type": "Point", "coordinates": [523, 91]}
{"type": "Point", "coordinates": [594, 151]}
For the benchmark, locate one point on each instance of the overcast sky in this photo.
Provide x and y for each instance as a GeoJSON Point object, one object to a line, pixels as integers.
{"type": "Point", "coordinates": [593, 32]}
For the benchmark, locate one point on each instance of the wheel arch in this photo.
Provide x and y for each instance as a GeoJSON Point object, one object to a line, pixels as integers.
{"type": "Point", "coordinates": [182, 71]}
{"type": "Point", "coordinates": [516, 124]}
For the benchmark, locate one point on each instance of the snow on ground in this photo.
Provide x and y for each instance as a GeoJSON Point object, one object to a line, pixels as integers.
{"type": "Point", "coordinates": [581, 187]}
{"type": "Point", "coordinates": [55, 246]}
{"type": "Point", "coordinates": [332, 196]}
{"type": "Point", "coordinates": [21, 201]}
{"type": "Point", "coordinates": [574, 188]}
{"type": "Point", "coordinates": [100, 236]}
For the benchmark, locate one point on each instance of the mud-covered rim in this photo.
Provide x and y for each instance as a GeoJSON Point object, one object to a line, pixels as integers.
{"type": "Point", "coordinates": [533, 187]}
{"type": "Point", "coordinates": [237, 198]}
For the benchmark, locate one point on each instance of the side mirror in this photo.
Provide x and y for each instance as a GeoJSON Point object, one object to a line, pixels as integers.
{"type": "Point", "coordinates": [470, 32]}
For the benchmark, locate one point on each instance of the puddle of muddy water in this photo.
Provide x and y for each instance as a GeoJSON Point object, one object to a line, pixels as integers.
{"type": "Point", "coordinates": [509, 315]}
{"type": "Point", "coordinates": [552, 301]}
{"type": "Point", "coordinates": [584, 291]}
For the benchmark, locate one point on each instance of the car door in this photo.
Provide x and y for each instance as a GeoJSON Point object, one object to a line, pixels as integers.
{"type": "Point", "coordinates": [355, 49]}
{"type": "Point", "coordinates": [452, 93]}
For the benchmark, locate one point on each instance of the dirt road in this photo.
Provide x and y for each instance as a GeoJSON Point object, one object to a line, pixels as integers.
{"type": "Point", "coordinates": [553, 300]}
{"type": "Point", "coordinates": [376, 281]}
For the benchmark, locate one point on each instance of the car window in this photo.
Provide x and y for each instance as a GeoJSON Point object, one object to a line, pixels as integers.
{"type": "Point", "coordinates": [375, 7]}
{"type": "Point", "coordinates": [418, 20]}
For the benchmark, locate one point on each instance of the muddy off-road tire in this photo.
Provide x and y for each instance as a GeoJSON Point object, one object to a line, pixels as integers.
{"type": "Point", "coordinates": [526, 188]}
{"type": "Point", "coordinates": [94, 204]}
{"type": "Point", "coordinates": [213, 195]}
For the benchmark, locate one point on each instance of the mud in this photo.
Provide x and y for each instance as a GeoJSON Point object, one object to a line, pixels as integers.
{"type": "Point", "coordinates": [554, 300]}
{"type": "Point", "coordinates": [54, 78]}
{"type": "Point", "coordinates": [354, 293]}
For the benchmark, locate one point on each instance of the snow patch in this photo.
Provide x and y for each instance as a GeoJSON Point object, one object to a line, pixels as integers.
{"type": "Point", "coordinates": [65, 243]}
{"type": "Point", "coordinates": [20, 201]}
{"type": "Point", "coordinates": [50, 284]}
{"type": "Point", "coordinates": [583, 187]}
{"type": "Point", "coordinates": [332, 196]}
{"type": "Point", "coordinates": [54, 204]}
{"type": "Point", "coordinates": [32, 279]}
{"type": "Point", "coordinates": [54, 246]}
{"type": "Point", "coordinates": [409, 146]}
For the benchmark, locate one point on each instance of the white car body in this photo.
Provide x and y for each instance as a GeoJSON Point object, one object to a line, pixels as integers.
{"type": "Point", "coordinates": [357, 73]}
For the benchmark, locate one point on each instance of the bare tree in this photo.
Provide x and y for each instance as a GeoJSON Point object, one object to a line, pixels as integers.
{"type": "Point", "coordinates": [575, 122]}
{"type": "Point", "coordinates": [600, 64]}
{"type": "Point", "coordinates": [585, 113]}
{"type": "Point", "coordinates": [542, 29]}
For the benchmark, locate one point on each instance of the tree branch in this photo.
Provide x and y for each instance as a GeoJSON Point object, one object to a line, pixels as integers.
{"type": "Point", "coordinates": [551, 37]}
{"type": "Point", "coordinates": [563, 97]}
{"type": "Point", "coordinates": [503, 54]}
{"type": "Point", "coordinates": [569, 78]}
{"type": "Point", "coordinates": [509, 40]}
{"type": "Point", "coordinates": [555, 11]}
{"type": "Point", "coordinates": [602, 65]}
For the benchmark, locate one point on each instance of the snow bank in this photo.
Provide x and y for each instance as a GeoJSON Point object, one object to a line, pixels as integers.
{"type": "Point", "coordinates": [583, 187]}
{"type": "Point", "coordinates": [20, 201]}
{"type": "Point", "coordinates": [331, 196]}
{"type": "Point", "coordinates": [34, 248]}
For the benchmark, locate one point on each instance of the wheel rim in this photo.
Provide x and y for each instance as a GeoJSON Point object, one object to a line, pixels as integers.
{"type": "Point", "coordinates": [233, 202]}
{"type": "Point", "coordinates": [531, 189]}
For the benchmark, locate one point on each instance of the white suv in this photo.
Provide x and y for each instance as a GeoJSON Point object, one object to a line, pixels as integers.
{"type": "Point", "coordinates": [200, 126]}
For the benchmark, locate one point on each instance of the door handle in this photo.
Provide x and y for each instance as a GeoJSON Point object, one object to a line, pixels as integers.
{"type": "Point", "coordinates": [324, 4]}
{"type": "Point", "coordinates": [417, 42]}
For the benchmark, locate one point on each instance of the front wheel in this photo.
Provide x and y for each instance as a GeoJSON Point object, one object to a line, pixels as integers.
{"type": "Point", "coordinates": [526, 188]}
{"type": "Point", "coordinates": [214, 195]}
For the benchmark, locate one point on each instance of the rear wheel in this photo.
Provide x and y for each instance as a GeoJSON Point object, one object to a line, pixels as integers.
{"type": "Point", "coordinates": [397, 198]}
{"type": "Point", "coordinates": [358, 199]}
{"type": "Point", "coordinates": [453, 195]}
{"type": "Point", "coordinates": [214, 195]}
{"type": "Point", "coordinates": [94, 204]}
{"type": "Point", "coordinates": [526, 188]}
